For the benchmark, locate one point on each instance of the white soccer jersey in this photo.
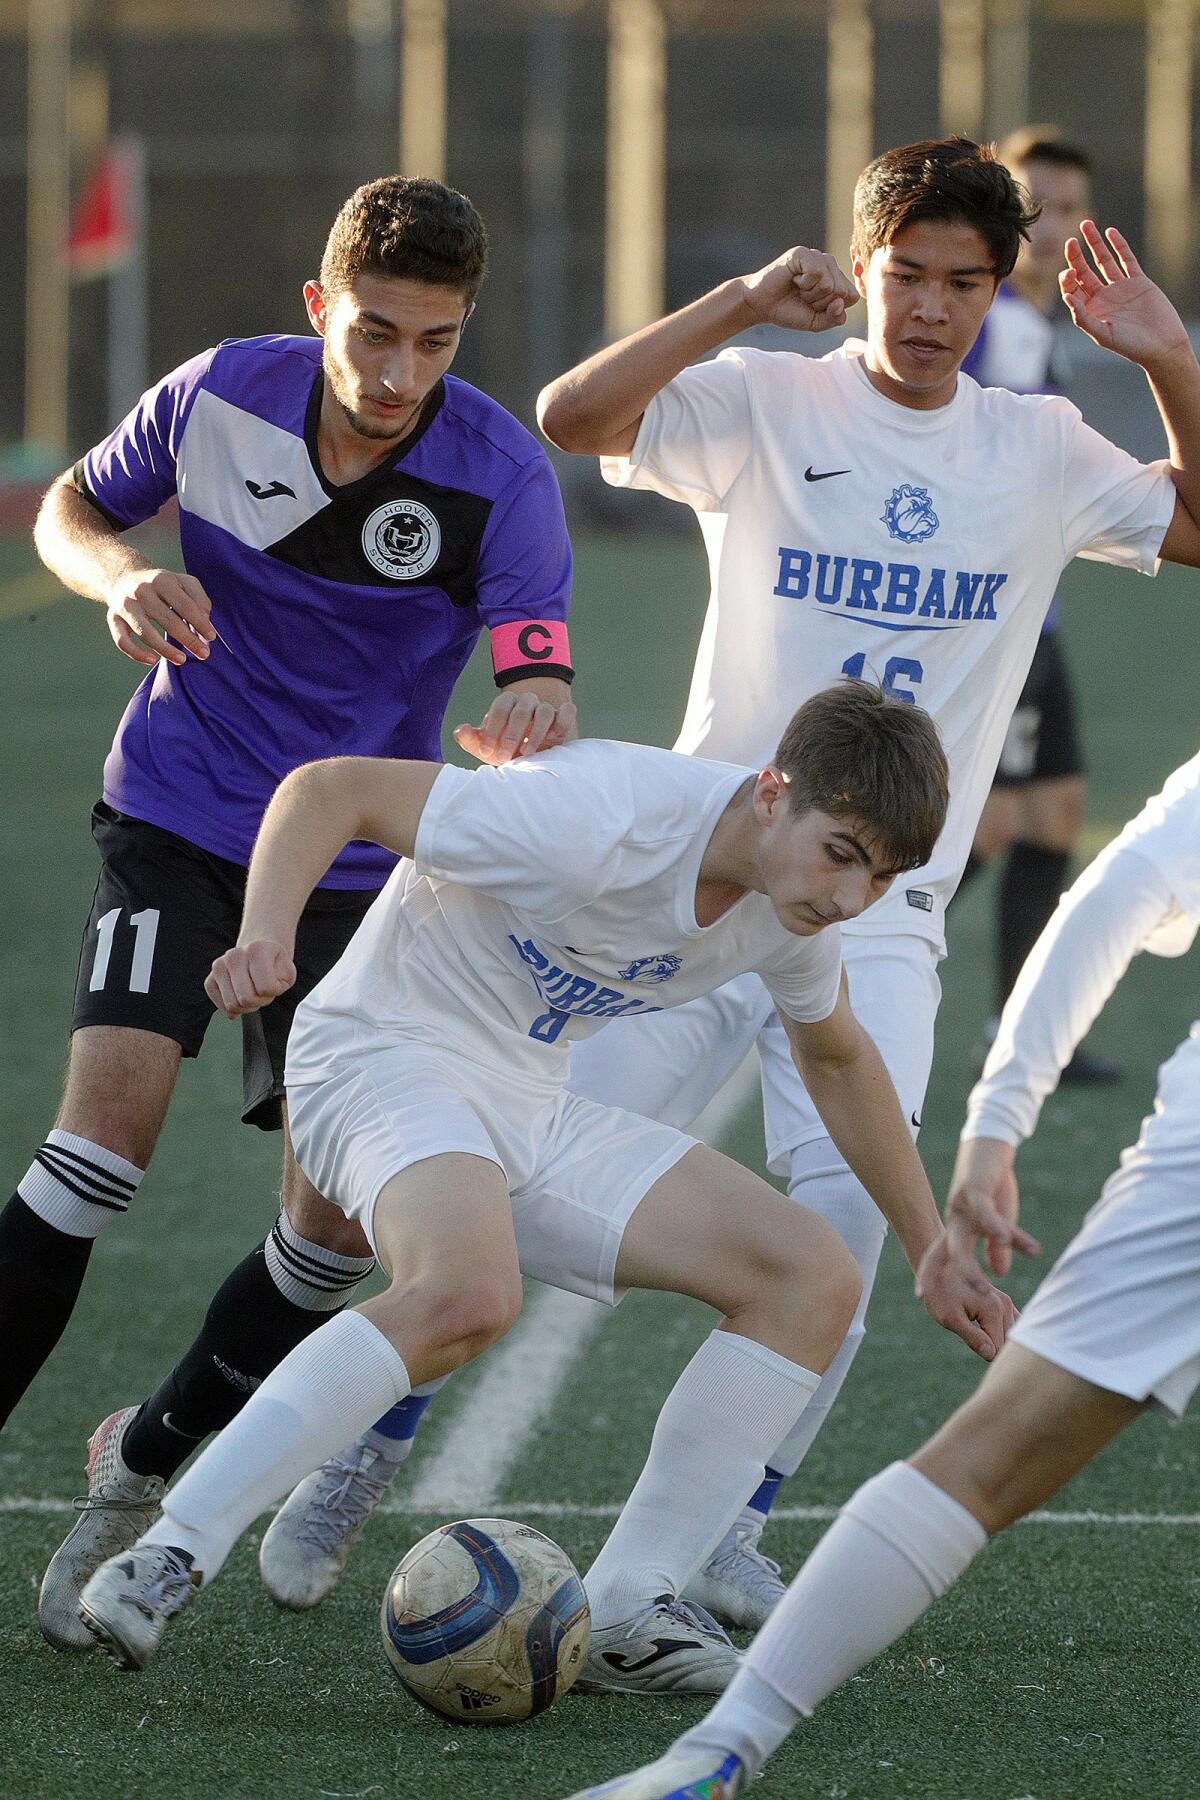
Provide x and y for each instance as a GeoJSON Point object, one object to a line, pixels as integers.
{"type": "Point", "coordinates": [1141, 893]}
{"type": "Point", "coordinates": [849, 535]}
{"type": "Point", "coordinates": [545, 898]}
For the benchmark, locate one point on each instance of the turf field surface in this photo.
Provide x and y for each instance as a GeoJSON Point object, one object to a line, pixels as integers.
{"type": "Point", "coordinates": [1064, 1666]}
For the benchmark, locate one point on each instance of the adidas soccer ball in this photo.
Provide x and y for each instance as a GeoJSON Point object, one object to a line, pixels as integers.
{"type": "Point", "coordinates": [486, 1622]}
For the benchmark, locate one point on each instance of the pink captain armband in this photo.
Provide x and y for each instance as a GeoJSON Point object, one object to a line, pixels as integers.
{"type": "Point", "coordinates": [526, 647]}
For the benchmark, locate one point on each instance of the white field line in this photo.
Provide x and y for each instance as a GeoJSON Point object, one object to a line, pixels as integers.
{"type": "Point", "coordinates": [555, 1509]}
{"type": "Point", "coordinates": [521, 1380]}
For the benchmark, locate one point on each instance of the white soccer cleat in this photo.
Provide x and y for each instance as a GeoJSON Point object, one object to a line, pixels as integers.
{"type": "Point", "coordinates": [738, 1584]}
{"type": "Point", "coordinates": [118, 1507]}
{"type": "Point", "coordinates": [671, 1648]}
{"type": "Point", "coordinates": [132, 1598]}
{"type": "Point", "coordinates": [679, 1775]}
{"type": "Point", "coordinates": [309, 1541]}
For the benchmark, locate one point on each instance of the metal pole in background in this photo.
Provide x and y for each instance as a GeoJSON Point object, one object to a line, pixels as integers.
{"type": "Point", "coordinates": [963, 34]}
{"type": "Point", "coordinates": [1170, 226]}
{"type": "Point", "coordinates": [635, 207]}
{"type": "Point", "coordinates": [423, 60]}
{"type": "Point", "coordinates": [545, 138]}
{"type": "Point", "coordinates": [849, 135]}
{"type": "Point", "coordinates": [47, 283]}
{"type": "Point", "coordinates": [1008, 54]}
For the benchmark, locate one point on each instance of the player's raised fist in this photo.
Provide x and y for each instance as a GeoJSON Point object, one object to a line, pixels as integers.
{"type": "Point", "coordinates": [249, 976]}
{"type": "Point", "coordinates": [147, 608]}
{"type": "Point", "coordinates": [803, 290]}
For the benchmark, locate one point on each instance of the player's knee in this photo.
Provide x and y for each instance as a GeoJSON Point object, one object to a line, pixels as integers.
{"type": "Point", "coordinates": [460, 1323]}
{"type": "Point", "coordinates": [833, 1288]}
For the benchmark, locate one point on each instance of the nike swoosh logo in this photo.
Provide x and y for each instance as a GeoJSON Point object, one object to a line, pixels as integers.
{"type": "Point", "coordinates": [825, 475]}
{"type": "Point", "coordinates": [616, 1659]}
{"type": "Point", "coordinates": [270, 493]}
{"type": "Point", "coordinates": [916, 1121]}
{"type": "Point", "coordinates": [166, 1419]}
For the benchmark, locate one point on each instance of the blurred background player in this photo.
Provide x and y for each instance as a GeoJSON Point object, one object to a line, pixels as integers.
{"type": "Point", "coordinates": [1113, 1329]}
{"type": "Point", "coordinates": [1034, 813]}
{"type": "Point", "coordinates": [351, 517]}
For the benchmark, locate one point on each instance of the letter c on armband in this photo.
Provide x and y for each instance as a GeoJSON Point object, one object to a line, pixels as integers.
{"type": "Point", "coordinates": [526, 647]}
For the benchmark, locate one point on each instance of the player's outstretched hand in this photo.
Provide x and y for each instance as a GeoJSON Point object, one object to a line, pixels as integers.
{"type": "Point", "coordinates": [803, 290]}
{"type": "Point", "coordinates": [517, 724]}
{"type": "Point", "coordinates": [963, 1299]}
{"type": "Point", "coordinates": [147, 608]}
{"type": "Point", "coordinates": [249, 976]}
{"type": "Point", "coordinates": [984, 1204]}
{"type": "Point", "coordinates": [1111, 297]}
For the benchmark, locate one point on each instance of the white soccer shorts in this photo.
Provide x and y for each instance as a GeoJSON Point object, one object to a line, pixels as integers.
{"type": "Point", "coordinates": [576, 1170]}
{"type": "Point", "coordinates": [670, 1065]}
{"type": "Point", "coordinates": [1121, 1306]}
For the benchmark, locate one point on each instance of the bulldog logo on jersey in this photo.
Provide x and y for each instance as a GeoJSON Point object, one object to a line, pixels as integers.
{"type": "Point", "coordinates": [651, 968]}
{"type": "Point", "coordinates": [402, 540]}
{"type": "Point", "coordinates": [909, 514]}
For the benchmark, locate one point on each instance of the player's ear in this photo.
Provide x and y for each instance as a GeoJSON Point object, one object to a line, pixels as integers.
{"type": "Point", "coordinates": [858, 272]}
{"type": "Point", "coordinates": [314, 305]}
{"type": "Point", "coordinates": [770, 793]}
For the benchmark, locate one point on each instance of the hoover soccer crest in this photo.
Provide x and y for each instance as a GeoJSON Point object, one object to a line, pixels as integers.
{"type": "Point", "coordinates": [909, 514]}
{"type": "Point", "coordinates": [402, 540]}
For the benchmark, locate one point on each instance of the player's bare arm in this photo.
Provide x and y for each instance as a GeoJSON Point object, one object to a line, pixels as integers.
{"type": "Point", "coordinates": [316, 811]}
{"type": "Point", "coordinates": [147, 607]}
{"type": "Point", "coordinates": [1111, 298]}
{"type": "Point", "coordinates": [852, 1091]}
{"type": "Point", "coordinates": [596, 407]}
{"type": "Point", "coordinates": [535, 714]}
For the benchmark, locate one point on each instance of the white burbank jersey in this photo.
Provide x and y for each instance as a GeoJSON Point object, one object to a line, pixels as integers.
{"type": "Point", "coordinates": [545, 898]}
{"type": "Point", "coordinates": [848, 535]}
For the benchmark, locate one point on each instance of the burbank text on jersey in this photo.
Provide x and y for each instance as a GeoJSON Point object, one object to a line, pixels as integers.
{"type": "Point", "coordinates": [912, 598]}
{"type": "Point", "coordinates": [566, 993]}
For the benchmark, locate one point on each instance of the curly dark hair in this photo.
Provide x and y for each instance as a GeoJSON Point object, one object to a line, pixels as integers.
{"type": "Point", "coordinates": [852, 751]}
{"type": "Point", "coordinates": [416, 229]}
{"type": "Point", "coordinates": [942, 178]}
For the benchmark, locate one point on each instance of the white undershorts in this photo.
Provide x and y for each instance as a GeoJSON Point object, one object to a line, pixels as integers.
{"type": "Point", "coordinates": [670, 1065]}
{"type": "Point", "coordinates": [1121, 1307]}
{"type": "Point", "coordinates": [576, 1171]}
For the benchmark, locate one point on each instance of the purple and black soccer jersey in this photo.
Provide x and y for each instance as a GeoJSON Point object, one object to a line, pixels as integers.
{"type": "Point", "coordinates": [347, 612]}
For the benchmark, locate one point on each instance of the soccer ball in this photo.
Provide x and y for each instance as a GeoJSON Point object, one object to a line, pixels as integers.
{"type": "Point", "coordinates": [486, 1622]}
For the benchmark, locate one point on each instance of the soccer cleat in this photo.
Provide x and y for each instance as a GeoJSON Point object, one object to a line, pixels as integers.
{"type": "Point", "coordinates": [118, 1507]}
{"type": "Point", "coordinates": [672, 1647]}
{"type": "Point", "coordinates": [679, 1775]}
{"type": "Point", "coordinates": [131, 1599]}
{"type": "Point", "coordinates": [309, 1541]}
{"type": "Point", "coordinates": [738, 1584]}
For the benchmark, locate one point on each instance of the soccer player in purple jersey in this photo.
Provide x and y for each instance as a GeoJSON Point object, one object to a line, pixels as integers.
{"type": "Point", "coordinates": [351, 517]}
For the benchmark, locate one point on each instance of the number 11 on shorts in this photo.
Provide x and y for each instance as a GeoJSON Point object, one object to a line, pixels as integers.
{"type": "Point", "coordinates": [145, 925]}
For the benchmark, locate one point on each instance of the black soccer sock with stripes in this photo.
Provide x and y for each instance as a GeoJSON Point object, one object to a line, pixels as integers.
{"type": "Point", "coordinates": [1033, 882]}
{"type": "Point", "coordinates": [71, 1191]}
{"type": "Point", "coordinates": [283, 1290]}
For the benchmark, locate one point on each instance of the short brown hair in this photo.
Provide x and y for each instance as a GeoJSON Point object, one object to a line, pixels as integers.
{"type": "Point", "coordinates": [1042, 143]}
{"type": "Point", "coordinates": [417, 230]}
{"type": "Point", "coordinates": [942, 178]}
{"type": "Point", "coordinates": [853, 751]}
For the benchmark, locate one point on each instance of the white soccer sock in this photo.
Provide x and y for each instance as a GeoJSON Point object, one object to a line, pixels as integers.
{"type": "Point", "coordinates": [733, 1402]}
{"type": "Point", "coordinates": [896, 1546]}
{"type": "Point", "coordinates": [824, 1183]}
{"type": "Point", "coordinates": [77, 1186]}
{"type": "Point", "coordinates": [332, 1385]}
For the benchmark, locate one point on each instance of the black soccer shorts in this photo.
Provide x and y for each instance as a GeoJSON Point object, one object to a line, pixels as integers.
{"type": "Point", "coordinates": [163, 910]}
{"type": "Point", "coordinates": [1042, 742]}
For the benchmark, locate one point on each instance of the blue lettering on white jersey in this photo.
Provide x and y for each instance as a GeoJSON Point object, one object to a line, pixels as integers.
{"type": "Point", "coordinates": [912, 598]}
{"type": "Point", "coordinates": [566, 994]}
